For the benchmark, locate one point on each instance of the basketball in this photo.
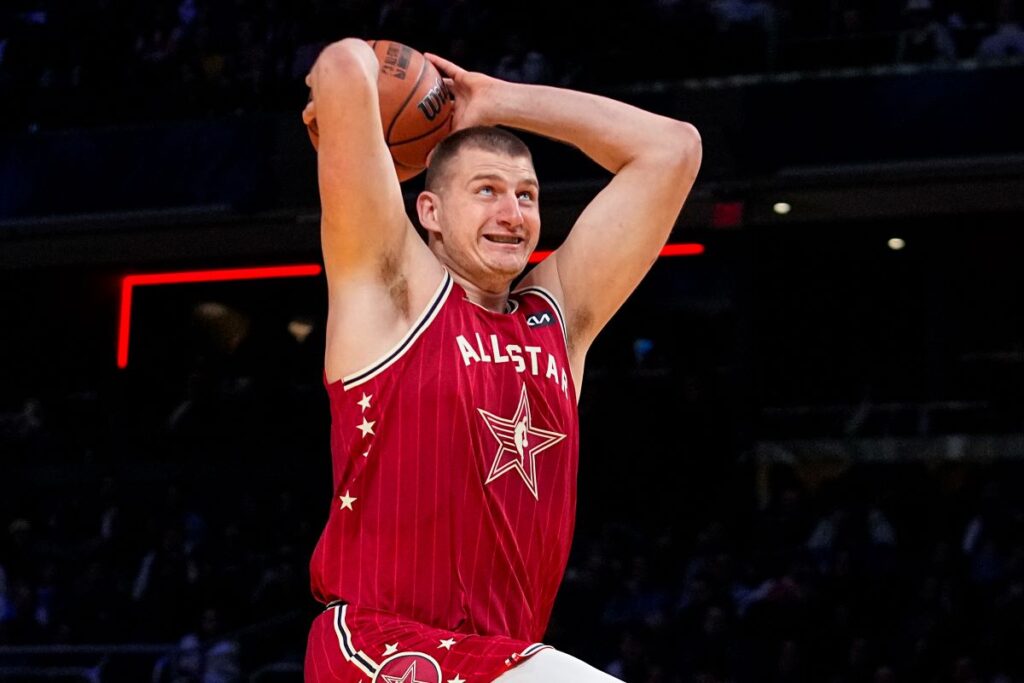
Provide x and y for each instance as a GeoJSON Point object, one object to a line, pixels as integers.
{"type": "Point", "coordinates": [415, 105]}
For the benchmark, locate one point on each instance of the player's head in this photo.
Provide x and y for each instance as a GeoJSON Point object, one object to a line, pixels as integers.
{"type": "Point", "coordinates": [480, 205]}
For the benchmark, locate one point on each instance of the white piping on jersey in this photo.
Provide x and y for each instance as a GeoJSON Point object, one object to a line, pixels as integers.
{"type": "Point", "coordinates": [530, 651]}
{"type": "Point", "coordinates": [550, 298]}
{"type": "Point", "coordinates": [357, 657]}
{"type": "Point", "coordinates": [534, 649]}
{"type": "Point", "coordinates": [421, 324]}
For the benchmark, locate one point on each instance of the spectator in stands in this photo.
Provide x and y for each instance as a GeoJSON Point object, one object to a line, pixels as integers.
{"type": "Point", "coordinates": [748, 34]}
{"type": "Point", "coordinates": [522, 63]}
{"type": "Point", "coordinates": [925, 40]}
{"type": "Point", "coordinates": [168, 582]}
{"type": "Point", "coordinates": [987, 538]}
{"type": "Point", "coordinates": [197, 660]}
{"type": "Point", "coordinates": [21, 426]}
{"type": "Point", "coordinates": [6, 604]}
{"type": "Point", "coordinates": [3, 45]}
{"type": "Point", "coordinates": [1008, 38]}
{"type": "Point", "coordinates": [156, 42]}
{"type": "Point", "coordinates": [631, 661]}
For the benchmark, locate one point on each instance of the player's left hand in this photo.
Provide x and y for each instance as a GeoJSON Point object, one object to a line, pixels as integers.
{"type": "Point", "coordinates": [471, 90]}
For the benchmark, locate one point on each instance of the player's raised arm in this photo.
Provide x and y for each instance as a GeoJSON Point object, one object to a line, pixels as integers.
{"type": "Point", "coordinates": [617, 238]}
{"type": "Point", "coordinates": [380, 275]}
{"type": "Point", "coordinates": [363, 218]}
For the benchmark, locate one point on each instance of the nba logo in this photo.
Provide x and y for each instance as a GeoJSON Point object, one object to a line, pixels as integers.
{"type": "Point", "coordinates": [409, 667]}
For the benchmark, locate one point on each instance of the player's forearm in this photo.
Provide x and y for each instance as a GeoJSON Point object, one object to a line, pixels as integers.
{"type": "Point", "coordinates": [611, 133]}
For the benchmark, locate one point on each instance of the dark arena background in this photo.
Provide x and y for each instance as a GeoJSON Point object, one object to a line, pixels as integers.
{"type": "Point", "coordinates": [802, 442]}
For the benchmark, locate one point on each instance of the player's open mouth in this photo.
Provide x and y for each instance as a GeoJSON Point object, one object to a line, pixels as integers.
{"type": "Point", "coordinates": [504, 239]}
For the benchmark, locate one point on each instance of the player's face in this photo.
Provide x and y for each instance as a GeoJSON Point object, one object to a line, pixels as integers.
{"type": "Point", "coordinates": [490, 218]}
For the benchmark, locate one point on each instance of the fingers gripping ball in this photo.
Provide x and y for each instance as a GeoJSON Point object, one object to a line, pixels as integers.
{"type": "Point", "coordinates": [415, 105]}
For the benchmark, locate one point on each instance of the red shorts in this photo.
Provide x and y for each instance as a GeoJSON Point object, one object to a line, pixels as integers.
{"type": "Point", "coordinates": [353, 645]}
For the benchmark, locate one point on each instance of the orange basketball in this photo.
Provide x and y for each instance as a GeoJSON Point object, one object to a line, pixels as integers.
{"type": "Point", "coordinates": [415, 105]}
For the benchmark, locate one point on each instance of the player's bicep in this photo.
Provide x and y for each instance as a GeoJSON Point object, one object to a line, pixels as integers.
{"type": "Point", "coordinates": [363, 216]}
{"type": "Point", "coordinates": [618, 236]}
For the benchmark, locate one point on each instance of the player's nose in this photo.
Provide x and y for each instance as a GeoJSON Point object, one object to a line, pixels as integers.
{"type": "Point", "coordinates": [509, 214]}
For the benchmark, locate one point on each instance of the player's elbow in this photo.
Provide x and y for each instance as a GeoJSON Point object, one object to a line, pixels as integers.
{"type": "Point", "coordinates": [681, 148]}
{"type": "Point", "coordinates": [687, 135]}
{"type": "Point", "coordinates": [350, 62]}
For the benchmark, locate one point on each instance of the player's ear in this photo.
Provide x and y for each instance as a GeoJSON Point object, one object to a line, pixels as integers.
{"type": "Point", "coordinates": [428, 209]}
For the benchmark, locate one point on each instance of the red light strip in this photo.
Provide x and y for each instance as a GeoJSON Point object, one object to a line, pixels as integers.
{"type": "Point", "coordinates": [682, 249]}
{"type": "Point", "coordinates": [130, 282]}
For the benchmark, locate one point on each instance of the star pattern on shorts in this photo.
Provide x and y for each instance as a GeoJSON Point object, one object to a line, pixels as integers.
{"type": "Point", "coordinates": [366, 427]}
{"type": "Point", "coordinates": [456, 679]}
{"type": "Point", "coordinates": [519, 442]}
{"type": "Point", "coordinates": [408, 677]}
{"type": "Point", "coordinates": [346, 501]}
{"type": "Point", "coordinates": [446, 644]}
{"type": "Point", "coordinates": [364, 402]}
{"type": "Point", "coordinates": [390, 649]}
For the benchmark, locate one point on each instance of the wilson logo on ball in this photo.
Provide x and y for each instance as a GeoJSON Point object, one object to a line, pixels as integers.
{"type": "Point", "coordinates": [434, 100]}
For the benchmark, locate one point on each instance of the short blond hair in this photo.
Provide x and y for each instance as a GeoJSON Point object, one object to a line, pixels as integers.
{"type": "Point", "coordinates": [487, 138]}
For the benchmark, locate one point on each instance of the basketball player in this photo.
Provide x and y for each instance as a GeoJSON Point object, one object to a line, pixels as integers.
{"type": "Point", "coordinates": [453, 400]}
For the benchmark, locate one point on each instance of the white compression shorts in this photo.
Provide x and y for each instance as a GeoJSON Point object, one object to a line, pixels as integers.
{"type": "Point", "coordinates": [552, 666]}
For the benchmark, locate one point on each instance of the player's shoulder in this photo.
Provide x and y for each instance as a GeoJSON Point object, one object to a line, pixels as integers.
{"type": "Point", "coordinates": [541, 295]}
{"type": "Point", "coordinates": [543, 281]}
{"type": "Point", "coordinates": [373, 310]}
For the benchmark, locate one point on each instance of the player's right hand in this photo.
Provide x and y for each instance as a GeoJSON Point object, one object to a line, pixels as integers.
{"type": "Point", "coordinates": [472, 92]}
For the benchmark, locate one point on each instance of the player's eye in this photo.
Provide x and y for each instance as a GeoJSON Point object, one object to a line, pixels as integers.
{"type": "Point", "coordinates": [485, 189]}
{"type": "Point", "coordinates": [527, 195]}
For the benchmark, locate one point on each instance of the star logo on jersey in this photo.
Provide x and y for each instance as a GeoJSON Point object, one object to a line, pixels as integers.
{"type": "Point", "coordinates": [366, 427]}
{"type": "Point", "coordinates": [519, 442]}
{"type": "Point", "coordinates": [409, 667]}
{"type": "Point", "coordinates": [408, 677]}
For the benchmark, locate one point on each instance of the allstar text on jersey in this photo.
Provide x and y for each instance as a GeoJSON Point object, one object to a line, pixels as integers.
{"type": "Point", "coordinates": [523, 358]}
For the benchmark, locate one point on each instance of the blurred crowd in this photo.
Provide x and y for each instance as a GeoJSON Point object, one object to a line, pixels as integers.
{"type": "Point", "coordinates": [178, 502]}
{"type": "Point", "coordinates": [98, 61]}
{"type": "Point", "coordinates": [823, 572]}
{"type": "Point", "coordinates": [869, 574]}
{"type": "Point", "coordinates": [188, 516]}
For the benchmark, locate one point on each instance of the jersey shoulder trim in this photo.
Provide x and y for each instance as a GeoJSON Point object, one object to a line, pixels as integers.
{"type": "Point", "coordinates": [550, 299]}
{"type": "Point", "coordinates": [421, 324]}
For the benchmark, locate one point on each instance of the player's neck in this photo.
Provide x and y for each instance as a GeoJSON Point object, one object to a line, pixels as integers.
{"type": "Point", "coordinates": [492, 301]}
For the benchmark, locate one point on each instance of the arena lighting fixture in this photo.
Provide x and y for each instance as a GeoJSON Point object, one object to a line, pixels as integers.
{"type": "Point", "coordinates": [130, 282]}
{"type": "Point", "coordinates": [896, 244]}
{"type": "Point", "coordinates": [782, 208]}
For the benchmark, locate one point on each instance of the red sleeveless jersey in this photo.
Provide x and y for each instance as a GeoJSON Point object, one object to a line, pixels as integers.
{"type": "Point", "coordinates": [454, 465]}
